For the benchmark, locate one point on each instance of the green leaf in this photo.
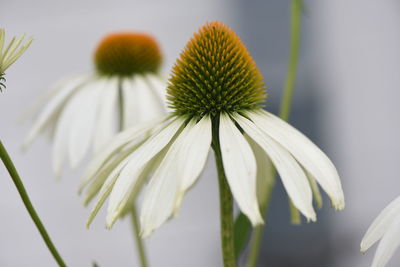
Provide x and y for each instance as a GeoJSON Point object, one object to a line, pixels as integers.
{"type": "Point", "coordinates": [95, 264]}
{"type": "Point", "coordinates": [242, 233]}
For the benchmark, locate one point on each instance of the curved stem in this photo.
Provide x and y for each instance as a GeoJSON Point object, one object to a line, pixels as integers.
{"type": "Point", "coordinates": [257, 235]}
{"type": "Point", "coordinates": [284, 112]}
{"type": "Point", "coordinates": [295, 34]}
{"type": "Point", "coordinates": [134, 217]}
{"type": "Point", "coordinates": [28, 204]}
{"type": "Point", "coordinates": [138, 239]}
{"type": "Point", "coordinates": [226, 204]}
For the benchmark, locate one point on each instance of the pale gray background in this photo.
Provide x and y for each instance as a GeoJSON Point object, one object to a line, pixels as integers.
{"type": "Point", "coordinates": [346, 101]}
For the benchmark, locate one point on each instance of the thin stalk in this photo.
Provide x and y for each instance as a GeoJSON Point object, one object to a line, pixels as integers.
{"type": "Point", "coordinates": [226, 204]}
{"type": "Point", "coordinates": [295, 36]}
{"type": "Point", "coordinates": [134, 217]}
{"type": "Point", "coordinates": [255, 242]}
{"type": "Point", "coordinates": [284, 112]}
{"type": "Point", "coordinates": [28, 204]}
{"type": "Point", "coordinates": [138, 239]}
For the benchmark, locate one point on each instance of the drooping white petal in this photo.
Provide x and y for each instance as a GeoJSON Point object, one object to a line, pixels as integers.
{"type": "Point", "coordinates": [292, 176]}
{"type": "Point", "coordinates": [192, 155]}
{"type": "Point", "coordinates": [2, 37]}
{"type": "Point", "coordinates": [131, 136]}
{"type": "Point", "coordinates": [161, 193]}
{"type": "Point", "coordinates": [105, 190]}
{"type": "Point", "coordinates": [240, 168]}
{"type": "Point", "coordinates": [55, 105]}
{"type": "Point", "coordinates": [14, 55]}
{"type": "Point", "coordinates": [131, 106]}
{"type": "Point", "coordinates": [6, 53]}
{"type": "Point", "coordinates": [149, 105]}
{"type": "Point", "coordinates": [388, 244]}
{"type": "Point", "coordinates": [82, 126]}
{"type": "Point", "coordinates": [128, 177]}
{"type": "Point", "coordinates": [265, 173]}
{"type": "Point", "coordinates": [107, 118]}
{"type": "Point", "coordinates": [158, 85]}
{"type": "Point", "coordinates": [306, 152]}
{"type": "Point", "coordinates": [381, 224]}
{"type": "Point", "coordinates": [15, 42]}
{"type": "Point", "coordinates": [61, 139]}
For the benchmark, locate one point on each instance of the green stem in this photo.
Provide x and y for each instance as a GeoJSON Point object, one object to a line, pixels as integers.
{"type": "Point", "coordinates": [257, 235]}
{"type": "Point", "coordinates": [295, 34]}
{"type": "Point", "coordinates": [284, 112]}
{"type": "Point", "coordinates": [134, 217]}
{"type": "Point", "coordinates": [226, 204]}
{"type": "Point", "coordinates": [28, 204]}
{"type": "Point", "coordinates": [138, 239]}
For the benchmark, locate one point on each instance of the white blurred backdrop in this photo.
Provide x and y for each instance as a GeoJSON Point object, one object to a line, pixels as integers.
{"type": "Point", "coordinates": [346, 101]}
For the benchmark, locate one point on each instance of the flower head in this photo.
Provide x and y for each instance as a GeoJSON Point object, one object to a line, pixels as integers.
{"type": "Point", "coordinates": [127, 53]}
{"type": "Point", "coordinates": [215, 73]}
{"type": "Point", "coordinates": [10, 53]}
{"type": "Point", "coordinates": [386, 228]}
{"type": "Point", "coordinates": [215, 86]}
{"type": "Point", "coordinates": [87, 110]}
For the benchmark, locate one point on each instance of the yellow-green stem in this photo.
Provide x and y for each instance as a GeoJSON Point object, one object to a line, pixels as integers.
{"type": "Point", "coordinates": [138, 239]}
{"type": "Point", "coordinates": [134, 218]}
{"type": "Point", "coordinates": [28, 204]}
{"type": "Point", "coordinates": [284, 112]}
{"type": "Point", "coordinates": [226, 204]}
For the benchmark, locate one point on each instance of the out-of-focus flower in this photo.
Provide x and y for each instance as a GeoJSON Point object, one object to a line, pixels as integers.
{"type": "Point", "coordinates": [10, 53]}
{"type": "Point", "coordinates": [216, 93]}
{"type": "Point", "coordinates": [89, 109]}
{"type": "Point", "coordinates": [386, 228]}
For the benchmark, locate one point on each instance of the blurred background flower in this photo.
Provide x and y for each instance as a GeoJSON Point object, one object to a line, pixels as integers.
{"type": "Point", "coordinates": [87, 110]}
{"type": "Point", "coordinates": [345, 101]}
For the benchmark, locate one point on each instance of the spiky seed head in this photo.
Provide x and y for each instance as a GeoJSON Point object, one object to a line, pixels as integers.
{"type": "Point", "coordinates": [125, 54]}
{"type": "Point", "coordinates": [215, 73]}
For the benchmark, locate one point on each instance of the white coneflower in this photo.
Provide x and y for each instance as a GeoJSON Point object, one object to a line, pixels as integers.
{"type": "Point", "coordinates": [84, 110]}
{"type": "Point", "coordinates": [386, 228]}
{"type": "Point", "coordinates": [215, 92]}
{"type": "Point", "coordinates": [10, 53]}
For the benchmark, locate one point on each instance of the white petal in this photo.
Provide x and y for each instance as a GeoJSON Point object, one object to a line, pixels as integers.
{"type": "Point", "coordinates": [265, 179]}
{"type": "Point", "coordinates": [55, 105]}
{"type": "Point", "coordinates": [2, 37]}
{"type": "Point", "coordinates": [380, 225]}
{"type": "Point", "coordinates": [192, 155]}
{"type": "Point", "coordinates": [128, 178]}
{"type": "Point", "coordinates": [389, 243]}
{"type": "Point", "coordinates": [106, 190]}
{"type": "Point", "coordinates": [7, 62]}
{"type": "Point", "coordinates": [292, 176]}
{"type": "Point", "coordinates": [12, 46]}
{"type": "Point", "coordinates": [6, 53]}
{"type": "Point", "coordinates": [158, 85]}
{"type": "Point", "coordinates": [61, 140]}
{"type": "Point", "coordinates": [306, 152]}
{"type": "Point", "coordinates": [112, 174]}
{"type": "Point", "coordinates": [131, 106]}
{"type": "Point", "coordinates": [149, 105]}
{"type": "Point", "coordinates": [161, 193]}
{"type": "Point", "coordinates": [83, 122]}
{"type": "Point", "coordinates": [240, 168]}
{"type": "Point", "coordinates": [130, 137]}
{"type": "Point", "coordinates": [107, 114]}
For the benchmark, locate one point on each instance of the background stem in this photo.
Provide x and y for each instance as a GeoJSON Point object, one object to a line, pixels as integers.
{"type": "Point", "coordinates": [28, 204]}
{"type": "Point", "coordinates": [284, 112]}
{"type": "Point", "coordinates": [134, 218]}
{"type": "Point", "coordinates": [226, 204]}
{"type": "Point", "coordinates": [138, 239]}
